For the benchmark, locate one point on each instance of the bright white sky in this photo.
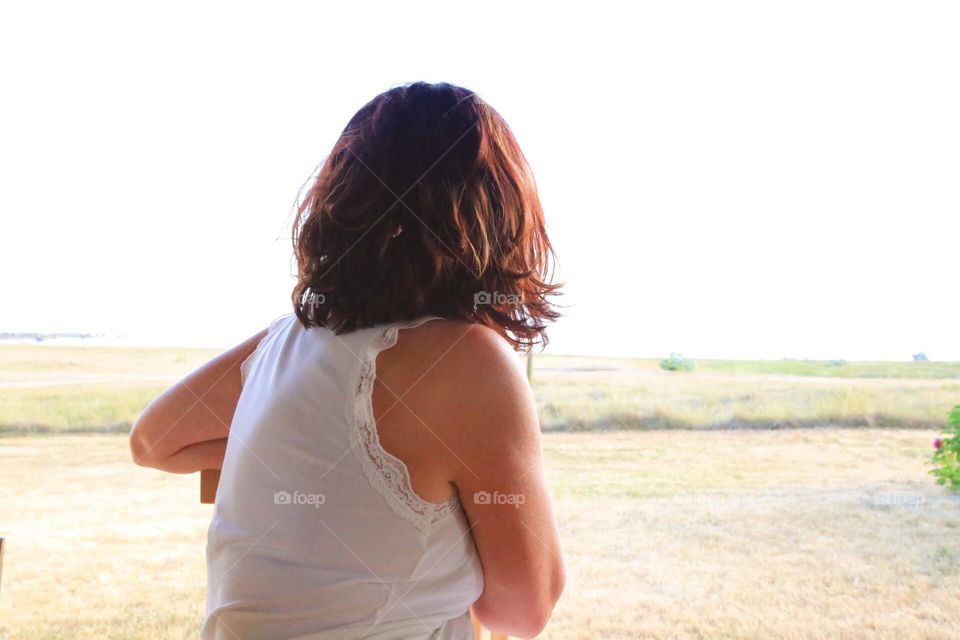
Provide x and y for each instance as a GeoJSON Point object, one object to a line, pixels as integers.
{"type": "Point", "coordinates": [745, 179]}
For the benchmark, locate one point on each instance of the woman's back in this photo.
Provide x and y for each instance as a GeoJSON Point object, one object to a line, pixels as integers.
{"type": "Point", "coordinates": [318, 532]}
{"type": "Point", "coordinates": [384, 497]}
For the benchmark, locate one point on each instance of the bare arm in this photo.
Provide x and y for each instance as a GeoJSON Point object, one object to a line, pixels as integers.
{"type": "Point", "coordinates": [185, 428]}
{"type": "Point", "coordinates": [502, 485]}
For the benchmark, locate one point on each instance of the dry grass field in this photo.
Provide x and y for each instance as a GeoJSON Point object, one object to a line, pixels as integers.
{"type": "Point", "coordinates": [721, 503]}
{"type": "Point", "coordinates": [806, 533]}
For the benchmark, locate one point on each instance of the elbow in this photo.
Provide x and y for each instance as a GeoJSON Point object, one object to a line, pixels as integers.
{"type": "Point", "coordinates": [140, 448]}
{"type": "Point", "coordinates": [521, 615]}
{"type": "Point", "coordinates": [538, 622]}
{"type": "Point", "coordinates": [533, 625]}
{"type": "Point", "coordinates": [523, 621]}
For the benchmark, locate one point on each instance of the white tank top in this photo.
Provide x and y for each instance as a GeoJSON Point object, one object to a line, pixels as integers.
{"type": "Point", "coordinates": [317, 532]}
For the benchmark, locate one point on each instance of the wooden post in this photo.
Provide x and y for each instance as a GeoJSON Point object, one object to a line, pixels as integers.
{"type": "Point", "coordinates": [477, 629]}
{"type": "Point", "coordinates": [209, 481]}
{"type": "Point", "coordinates": [530, 367]}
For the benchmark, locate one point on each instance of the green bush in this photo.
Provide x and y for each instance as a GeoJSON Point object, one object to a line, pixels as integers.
{"type": "Point", "coordinates": [676, 362]}
{"type": "Point", "coordinates": [946, 457]}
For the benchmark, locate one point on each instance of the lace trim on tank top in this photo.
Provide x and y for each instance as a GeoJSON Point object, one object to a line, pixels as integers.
{"type": "Point", "coordinates": [387, 473]}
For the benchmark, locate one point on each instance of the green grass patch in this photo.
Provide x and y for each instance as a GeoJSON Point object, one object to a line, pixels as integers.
{"type": "Point", "coordinates": [807, 368]}
{"type": "Point", "coordinates": [47, 388]}
{"type": "Point", "coordinates": [72, 408]}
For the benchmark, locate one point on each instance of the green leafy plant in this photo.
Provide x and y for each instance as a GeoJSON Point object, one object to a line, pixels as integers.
{"type": "Point", "coordinates": [946, 455]}
{"type": "Point", "coordinates": [676, 362]}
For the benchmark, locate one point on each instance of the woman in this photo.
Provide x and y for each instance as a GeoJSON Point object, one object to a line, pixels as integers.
{"type": "Point", "coordinates": [379, 446]}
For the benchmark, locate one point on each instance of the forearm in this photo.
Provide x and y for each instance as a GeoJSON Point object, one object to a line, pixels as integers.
{"type": "Point", "coordinates": [196, 410]}
{"type": "Point", "coordinates": [193, 458]}
{"type": "Point", "coordinates": [175, 420]}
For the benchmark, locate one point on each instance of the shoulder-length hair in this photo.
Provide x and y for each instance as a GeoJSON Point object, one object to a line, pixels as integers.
{"type": "Point", "coordinates": [425, 206]}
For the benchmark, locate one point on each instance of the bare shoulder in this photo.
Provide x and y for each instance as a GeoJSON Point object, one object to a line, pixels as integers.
{"type": "Point", "coordinates": [452, 352]}
{"type": "Point", "coordinates": [446, 393]}
{"type": "Point", "coordinates": [470, 385]}
{"type": "Point", "coordinates": [465, 378]}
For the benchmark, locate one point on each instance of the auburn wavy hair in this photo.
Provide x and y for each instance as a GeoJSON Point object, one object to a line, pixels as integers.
{"type": "Point", "coordinates": [425, 206]}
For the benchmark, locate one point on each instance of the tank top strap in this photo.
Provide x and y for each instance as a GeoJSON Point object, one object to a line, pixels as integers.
{"type": "Point", "coordinates": [385, 472]}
